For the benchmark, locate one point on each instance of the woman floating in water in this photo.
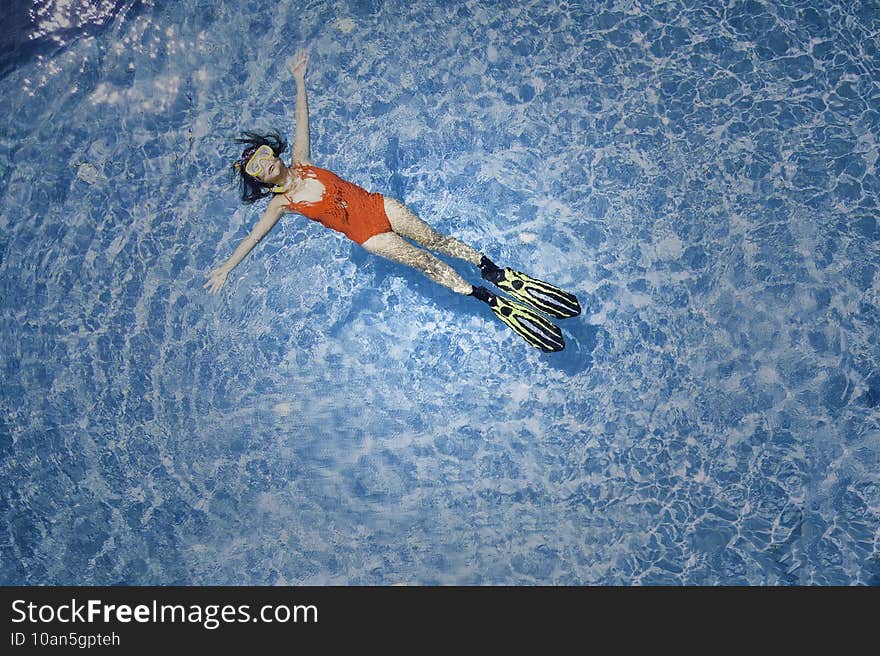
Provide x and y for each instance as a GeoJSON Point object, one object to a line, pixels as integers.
{"type": "Point", "coordinates": [380, 224]}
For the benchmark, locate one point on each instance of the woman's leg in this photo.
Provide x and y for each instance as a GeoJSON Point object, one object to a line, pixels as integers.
{"type": "Point", "coordinates": [405, 222]}
{"type": "Point", "coordinates": [392, 246]}
{"type": "Point", "coordinates": [536, 329]}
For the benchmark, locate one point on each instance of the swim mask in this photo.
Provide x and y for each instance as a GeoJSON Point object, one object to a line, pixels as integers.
{"type": "Point", "coordinates": [259, 161]}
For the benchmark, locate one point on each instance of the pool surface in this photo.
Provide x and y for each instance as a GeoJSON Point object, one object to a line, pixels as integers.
{"type": "Point", "coordinates": [703, 175]}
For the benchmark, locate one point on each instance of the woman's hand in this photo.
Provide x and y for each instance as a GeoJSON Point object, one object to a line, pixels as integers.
{"type": "Point", "coordinates": [217, 278]}
{"type": "Point", "coordinates": [299, 64]}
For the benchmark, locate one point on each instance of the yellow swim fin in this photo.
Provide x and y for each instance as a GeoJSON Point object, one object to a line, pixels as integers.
{"type": "Point", "coordinates": [537, 330]}
{"type": "Point", "coordinates": [539, 294]}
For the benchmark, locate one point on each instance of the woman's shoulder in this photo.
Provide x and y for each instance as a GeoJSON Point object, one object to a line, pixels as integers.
{"type": "Point", "coordinates": [277, 202]}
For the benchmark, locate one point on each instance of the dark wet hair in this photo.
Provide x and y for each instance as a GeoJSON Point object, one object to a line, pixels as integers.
{"type": "Point", "coordinates": [250, 187]}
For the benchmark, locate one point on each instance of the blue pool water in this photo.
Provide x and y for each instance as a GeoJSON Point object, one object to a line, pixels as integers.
{"type": "Point", "coordinates": [703, 175]}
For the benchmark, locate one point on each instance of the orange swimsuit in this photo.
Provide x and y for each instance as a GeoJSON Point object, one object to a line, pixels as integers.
{"type": "Point", "coordinates": [344, 207]}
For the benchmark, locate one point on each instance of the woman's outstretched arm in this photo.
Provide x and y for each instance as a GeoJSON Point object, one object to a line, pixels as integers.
{"type": "Point", "coordinates": [217, 277]}
{"type": "Point", "coordinates": [301, 140]}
